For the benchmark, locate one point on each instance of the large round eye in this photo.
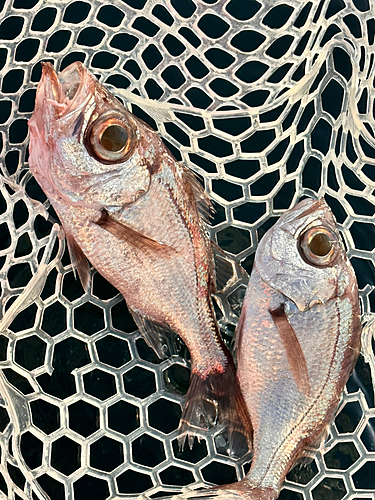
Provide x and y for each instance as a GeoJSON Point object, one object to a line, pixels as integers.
{"type": "Point", "coordinates": [319, 246]}
{"type": "Point", "coordinates": [110, 139]}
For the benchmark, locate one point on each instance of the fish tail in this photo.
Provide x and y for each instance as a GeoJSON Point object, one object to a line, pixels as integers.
{"type": "Point", "coordinates": [236, 491]}
{"type": "Point", "coordinates": [216, 400]}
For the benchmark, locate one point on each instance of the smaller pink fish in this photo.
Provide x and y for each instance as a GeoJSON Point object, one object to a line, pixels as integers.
{"type": "Point", "coordinates": [298, 339]}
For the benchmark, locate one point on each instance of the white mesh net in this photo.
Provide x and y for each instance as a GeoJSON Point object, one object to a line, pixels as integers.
{"type": "Point", "coordinates": [267, 101]}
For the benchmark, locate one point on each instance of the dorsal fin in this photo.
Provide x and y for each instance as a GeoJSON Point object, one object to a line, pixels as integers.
{"type": "Point", "coordinates": [202, 199]}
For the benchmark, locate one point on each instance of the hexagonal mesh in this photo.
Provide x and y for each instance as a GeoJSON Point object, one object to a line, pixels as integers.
{"type": "Point", "coordinates": [267, 101]}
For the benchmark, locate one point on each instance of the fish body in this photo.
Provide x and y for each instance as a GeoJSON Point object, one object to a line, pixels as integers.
{"type": "Point", "coordinates": [297, 341]}
{"type": "Point", "coordinates": [133, 211]}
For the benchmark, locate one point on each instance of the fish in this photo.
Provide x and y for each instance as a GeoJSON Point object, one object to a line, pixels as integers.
{"type": "Point", "coordinates": [297, 341]}
{"type": "Point", "coordinates": [136, 214]}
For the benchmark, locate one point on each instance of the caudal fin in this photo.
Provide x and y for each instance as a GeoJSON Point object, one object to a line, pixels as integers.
{"type": "Point", "coordinates": [216, 400]}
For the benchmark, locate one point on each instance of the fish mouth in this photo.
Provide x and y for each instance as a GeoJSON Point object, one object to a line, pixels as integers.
{"type": "Point", "coordinates": [67, 86]}
{"type": "Point", "coordinates": [318, 209]}
{"type": "Point", "coordinates": [310, 206]}
{"type": "Point", "coordinates": [62, 97]}
{"type": "Point", "coordinates": [62, 104]}
{"type": "Point", "coordinates": [70, 80]}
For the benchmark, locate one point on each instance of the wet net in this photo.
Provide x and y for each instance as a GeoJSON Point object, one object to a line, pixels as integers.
{"type": "Point", "coordinates": [267, 101]}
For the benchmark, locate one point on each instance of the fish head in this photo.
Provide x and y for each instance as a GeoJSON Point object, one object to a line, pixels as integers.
{"type": "Point", "coordinates": [86, 148]}
{"type": "Point", "coordinates": [302, 256]}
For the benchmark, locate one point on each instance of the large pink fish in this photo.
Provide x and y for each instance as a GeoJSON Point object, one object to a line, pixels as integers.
{"type": "Point", "coordinates": [133, 211]}
{"type": "Point", "coordinates": [298, 339]}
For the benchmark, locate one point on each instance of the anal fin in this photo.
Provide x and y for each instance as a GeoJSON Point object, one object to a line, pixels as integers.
{"type": "Point", "coordinates": [158, 336]}
{"type": "Point", "coordinates": [309, 452]}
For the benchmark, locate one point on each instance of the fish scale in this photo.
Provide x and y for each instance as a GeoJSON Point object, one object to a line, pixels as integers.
{"type": "Point", "coordinates": [201, 340]}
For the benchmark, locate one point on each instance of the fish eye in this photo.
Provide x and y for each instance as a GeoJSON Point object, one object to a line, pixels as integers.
{"type": "Point", "coordinates": [319, 246]}
{"type": "Point", "coordinates": [114, 138]}
{"type": "Point", "coordinates": [110, 139]}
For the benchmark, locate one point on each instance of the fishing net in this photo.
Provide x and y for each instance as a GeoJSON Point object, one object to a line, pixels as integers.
{"type": "Point", "coordinates": [267, 101]}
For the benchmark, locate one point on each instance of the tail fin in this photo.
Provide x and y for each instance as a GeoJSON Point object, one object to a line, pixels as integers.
{"type": "Point", "coordinates": [216, 400]}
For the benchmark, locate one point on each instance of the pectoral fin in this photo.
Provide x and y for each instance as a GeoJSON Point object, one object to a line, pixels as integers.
{"type": "Point", "coordinates": [126, 233]}
{"type": "Point", "coordinates": [238, 335]}
{"type": "Point", "coordinates": [294, 353]}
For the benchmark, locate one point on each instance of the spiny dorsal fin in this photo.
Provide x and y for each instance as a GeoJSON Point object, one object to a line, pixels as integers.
{"type": "Point", "coordinates": [202, 199]}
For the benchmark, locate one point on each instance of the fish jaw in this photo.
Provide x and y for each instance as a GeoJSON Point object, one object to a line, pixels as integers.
{"type": "Point", "coordinates": [55, 116]}
{"type": "Point", "coordinates": [61, 98]}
